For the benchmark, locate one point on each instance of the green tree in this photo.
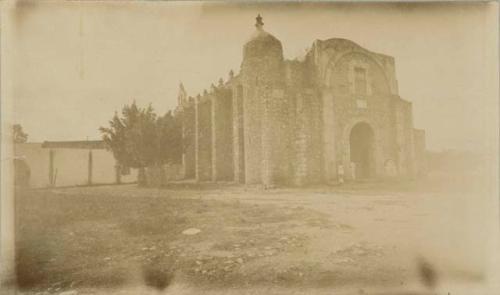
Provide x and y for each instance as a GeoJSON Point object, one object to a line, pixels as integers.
{"type": "Point", "coordinates": [18, 134]}
{"type": "Point", "coordinates": [169, 139]}
{"type": "Point", "coordinates": [139, 139]}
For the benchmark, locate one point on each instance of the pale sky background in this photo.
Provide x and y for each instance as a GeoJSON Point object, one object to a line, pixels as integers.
{"type": "Point", "coordinates": [74, 64]}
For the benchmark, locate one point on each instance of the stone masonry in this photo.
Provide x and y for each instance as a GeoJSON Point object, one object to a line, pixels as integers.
{"type": "Point", "coordinates": [334, 115]}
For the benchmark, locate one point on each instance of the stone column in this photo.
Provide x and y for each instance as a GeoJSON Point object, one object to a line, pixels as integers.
{"type": "Point", "coordinates": [52, 179]}
{"type": "Point", "coordinates": [197, 138]}
{"type": "Point", "coordinates": [214, 110]}
{"type": "Point", "coordinates": [317, 143]}
{"type": "Point", "coordinates": [185, 142]}
{"type": "Point", "coordinates": [118, 173]}
{"type": "Point", "coordinates": [404, 138]}
{"type": "Point", "coordinates": [222, 135]}
{"type": "Point", "coordinates": [182, 114]}
{"type": "Point", "coordinates": [274, 137]}
{"type": "Point", "coordinates": [238, 140]}
{"type": "Point", "coordinates": [410, 141]}
{"type": "Point", "coordinates": [189, 139]}
{"type": "Point", "coordinates": [252, 114]}
{"type": "Point", "coordinates": [236, 134]}
{"type": "Point", "coordinates": [90, 164]}
{"type": "Point", "coordinates": [267, 137]}
{"type": "Point", "coordinates": [329, 135]}
{"type": "Point", "coordinates": [204, 139]}
{"type": "Point", "coordinates": [301, 141]}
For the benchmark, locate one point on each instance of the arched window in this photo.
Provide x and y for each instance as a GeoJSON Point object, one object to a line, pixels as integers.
{"type": "Point", "coordinates": [360, 87]}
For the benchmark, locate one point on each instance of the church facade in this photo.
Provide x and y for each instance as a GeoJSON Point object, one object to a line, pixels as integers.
{"type": "Point", "coordinates": [334, 115]}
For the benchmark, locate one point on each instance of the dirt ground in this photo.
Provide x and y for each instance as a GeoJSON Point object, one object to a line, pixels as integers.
{"type": "Point", "coordinates": [411, 237]}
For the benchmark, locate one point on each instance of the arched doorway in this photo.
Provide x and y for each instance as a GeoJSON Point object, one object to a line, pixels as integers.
{"type": "Point", "coordinates": [22, 173]}
{"type": "Point", "coordinates": [361, 142]}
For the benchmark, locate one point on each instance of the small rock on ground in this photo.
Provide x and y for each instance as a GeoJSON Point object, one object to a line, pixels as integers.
{"type": "Point", "coordinates": [191, 231]}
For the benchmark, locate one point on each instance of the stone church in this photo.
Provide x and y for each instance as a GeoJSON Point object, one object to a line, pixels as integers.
{"type": "Point", "coordinates": [334, 115]}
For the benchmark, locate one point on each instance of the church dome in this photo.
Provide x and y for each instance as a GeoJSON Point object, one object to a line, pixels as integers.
{"type": "Point", "coordinates": [262, 43]}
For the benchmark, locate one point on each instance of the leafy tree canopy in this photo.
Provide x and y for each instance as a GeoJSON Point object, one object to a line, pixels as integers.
{"type": "Point", "coordinates": [139, 138]}
{"type": "Point", "coordinates": [18, 134]}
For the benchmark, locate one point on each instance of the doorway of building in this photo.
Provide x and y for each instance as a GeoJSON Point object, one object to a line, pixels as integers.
{"type": "Point", "coordinates": [22, 173]}
{"type": "Point", "coordinates": [361, 141]}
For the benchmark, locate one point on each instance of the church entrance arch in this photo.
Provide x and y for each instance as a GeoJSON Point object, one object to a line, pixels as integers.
{"type": "Point", "coordinates": [361, 143]}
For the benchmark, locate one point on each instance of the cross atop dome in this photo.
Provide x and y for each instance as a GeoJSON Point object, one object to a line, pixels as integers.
{"type": "Point", "coordinates": [259, 23]}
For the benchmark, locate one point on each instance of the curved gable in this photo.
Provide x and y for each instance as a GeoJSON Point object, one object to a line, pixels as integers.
{"type": "Point", "coordinates": [332, 52]}
{"type": "Point", "coordinates": [340, 74]}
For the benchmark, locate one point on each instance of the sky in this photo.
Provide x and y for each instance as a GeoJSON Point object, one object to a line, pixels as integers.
{"type": "Point", "coordinates": [72, 65]}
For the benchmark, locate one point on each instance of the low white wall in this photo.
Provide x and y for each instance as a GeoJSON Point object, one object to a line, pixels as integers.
{"type": "Point", "coordinates": [38, 161]}
{"type": "Point", "coordinates": [71, 164]}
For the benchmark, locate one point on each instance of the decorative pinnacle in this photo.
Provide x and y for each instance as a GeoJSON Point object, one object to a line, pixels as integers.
{"type": "Point", "coordinates": [182, 90]}
{"type": "Point", "coordinates": [259, 23]}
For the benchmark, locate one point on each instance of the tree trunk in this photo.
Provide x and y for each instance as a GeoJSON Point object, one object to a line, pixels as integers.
{"type": "Point", "coordinates": [155, 175]}
{"type": "Point", "coordinates": [141, 177]}
{"type": "Point", "coordinates": [163, 179]}
{"type": "Point", "coordinates": [118, 174]}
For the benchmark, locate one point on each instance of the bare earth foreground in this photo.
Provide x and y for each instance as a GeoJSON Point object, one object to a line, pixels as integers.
{"type": "Point", "coordinates": [364, 238]}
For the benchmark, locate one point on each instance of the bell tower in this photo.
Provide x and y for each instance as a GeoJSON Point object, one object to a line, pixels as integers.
{"type": "Point", "coordinates": [262, 72]}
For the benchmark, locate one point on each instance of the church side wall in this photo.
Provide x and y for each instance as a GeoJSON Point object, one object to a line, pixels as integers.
{"type": "Point", "coordinates": [316, 172]}
{"type": "Point", "coordinates": [222, 141]}
{"type": "Point", "coordinates": [291, 121]}
{"type": "Point", "coordinates": [262, 76]}
{"type": "Point", "coordinates": [305, 126]}
{"type": "Point", "coordinates": [420, 150]}
{"type": "Point", "coordinates": [204, 139]}
{"type": "Point", "coordinates": [404, 137]}
{"type": "Point", "coordinates": [302, 140]}
{"type": "Point", "coordinates": [329, 140]}
{"type": "Point", "coordinates": [188, 137]}
{"type": "Point", "coordinates": [252, 113]}
{"type": "Point", "coordinates": [238, 134]}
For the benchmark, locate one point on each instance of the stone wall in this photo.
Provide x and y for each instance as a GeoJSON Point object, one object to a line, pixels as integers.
{"type": "Point", "coordinates": [291, 121]}
{"type": "Point", "coordinates": [305, 125]}
{"type": "Point", "coordinates": [262, 74]}
{"type": "Point", "coordinates": [159, 175]}
{"type": "Point", "coordinates": [69, 164]}
{"type": "Point", "coordinates": [222, 136]}
{"type": "Point", "coordinates": [204, 138]}
{"type": "Point", "coordinates": [301, 140]}
{"type": "Point", "coordinates": [404, 137]}
{"type": "Point", "coordinates": [188, 137]}
{"type": "Point", "coordinates": [307, 139]}
{"type": "Point", "coordinates": [275, 137]}
{"type": "Point", "coordinates": [238, 133]}
{"type": "Point", "coordinates": [336, 63]}
{"type": "Point", "coordinates": [316, 172]}
{"type": "Point", "coordinates": [420, 152]}
{"type": "Point", "coordinates": [252, 112]}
